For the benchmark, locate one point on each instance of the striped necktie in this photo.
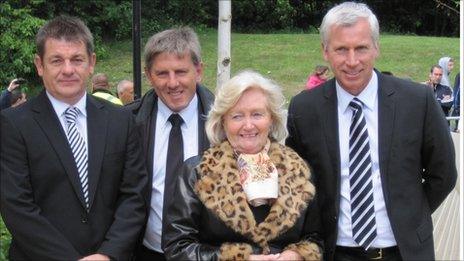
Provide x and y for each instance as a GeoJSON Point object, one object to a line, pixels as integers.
{"type": "Point", "coordinates": [361, 189]}
{"type": "Point", "coordinates": [79, 150]}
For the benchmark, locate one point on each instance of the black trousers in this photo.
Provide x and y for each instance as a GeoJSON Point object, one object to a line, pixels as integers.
{"type": "Point", "coordinates": [145, 254]}
{"type": "Point", "coordinates": [359, 254]}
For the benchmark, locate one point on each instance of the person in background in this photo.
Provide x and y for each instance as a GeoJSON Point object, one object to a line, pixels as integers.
{"type": "Point", "coordinates": [17, 98]}
{"type": "Point", "coordinates": [125, 91]}
{"type": "Point", "coordinates": [456, 101]}
{"type": "Point", "coordinates": [101, 88]}
{"type": "Point", "coordinates": [379, 148]}
{"type": "Point", "coordinates": [443, 93]}
{"type": "Point", "coordinates": [447, 64]}
{"type": "Point", "coordinates": [72, 170]}
{"type": "Point", "coordinates": [319, 76]}
{"type": "Point", "coordinates": [171, 118]}
{"type": "Point", "coordinates": [247, 197]}
{"type": "Point", "coordinates": [12, 96]}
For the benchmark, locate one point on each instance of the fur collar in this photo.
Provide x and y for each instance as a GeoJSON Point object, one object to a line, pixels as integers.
{"type": "Point", "coordinates": [218, 187]}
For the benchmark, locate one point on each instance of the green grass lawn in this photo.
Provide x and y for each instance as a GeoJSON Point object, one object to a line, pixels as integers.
{"type": "Point", "coordinates": [288, 59]}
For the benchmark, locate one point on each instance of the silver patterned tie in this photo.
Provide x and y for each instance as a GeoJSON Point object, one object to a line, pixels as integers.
{"type": "Point", "coordinates": [79, 150]}
{"type": "Point", "coordinates": [361, 189]}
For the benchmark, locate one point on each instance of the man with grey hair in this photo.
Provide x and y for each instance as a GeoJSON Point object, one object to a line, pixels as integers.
{"type": "Point", "coordinates": [379, 172]}
{"type": "Point", "coordinates": [125, 91]}
{"type": "Point", "coordinates": [101, 88]}
{"type": "Point", "coordinates": [171, 119]}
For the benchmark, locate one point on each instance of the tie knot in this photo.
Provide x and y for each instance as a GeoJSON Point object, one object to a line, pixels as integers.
{"type": "Point", "coordinates": [356, 104]}
{"type": "Point", "coordinates": [176, 120]}
{"type": "Point", "coordinates": [71, 114]}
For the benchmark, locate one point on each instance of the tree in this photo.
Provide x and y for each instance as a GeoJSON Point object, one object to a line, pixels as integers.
{"type": "Point", "coordinates": [17, 45]}
{"type": "Point", "coordinates": [224, 58]}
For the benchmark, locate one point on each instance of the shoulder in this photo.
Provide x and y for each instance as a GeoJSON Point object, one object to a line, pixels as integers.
{"type": "Point", "coordinates": [309, 100]}
{"type": "Point", "coordinates": [111, 110]}
{"type": "Point", "coordinates": [286, 158]}
{"type": "Point", "coordinates": [216, 159]}
{"type": "Point", "coordinates": [404, 89]}
{"type": "Point", "coordinates": [143, 105]}
{"type": "Point", "coordinates": [206, 96]}
{"type": "Point", "coordinates": [23, 111]}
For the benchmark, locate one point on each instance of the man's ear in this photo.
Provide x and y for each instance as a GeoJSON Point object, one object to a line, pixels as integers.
{"type": "Point", "coordinates": [38, 64]}
{"type": "Point", "coordinates": [199, 71]}
{"type": "Point", "coordinates": [324, 51]}
{"type": "Point", "coordinates": [92, 62]}
{"type": "Point", "coordinates": [147, 74]}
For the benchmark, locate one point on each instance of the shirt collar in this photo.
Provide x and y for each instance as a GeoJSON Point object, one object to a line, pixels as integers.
{"type": "Point", "coordinates": [187, 113]}
{"type": "Point", "coordinates": [368, 96]}
{"type": "Point", "coordinates": [60, 106]}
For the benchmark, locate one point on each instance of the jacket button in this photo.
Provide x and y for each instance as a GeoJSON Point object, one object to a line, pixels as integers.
{"type": "Point", "coordinates": [84, 220]}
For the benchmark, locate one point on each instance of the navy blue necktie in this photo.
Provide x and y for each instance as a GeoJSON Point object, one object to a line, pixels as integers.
{"type": "Point", "coordinates": [361, 189]}
{"type": "Point", "coordinates": [79, 150]}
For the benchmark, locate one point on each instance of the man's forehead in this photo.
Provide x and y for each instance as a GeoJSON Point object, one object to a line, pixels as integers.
{"type": "Point", "coordinates": [76, 46]}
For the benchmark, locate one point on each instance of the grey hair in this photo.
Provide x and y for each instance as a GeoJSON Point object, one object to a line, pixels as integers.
{"type": "Point", "coordinates": [347, 14]}
{"type": "Point", "coordinates": [119, 87]}
{"type": "Point", "coordinates": [229, 94]}
{"type": "Point", "coordinates": [71, 29]}
{"type": "Point", "coordinates": [176, 41]}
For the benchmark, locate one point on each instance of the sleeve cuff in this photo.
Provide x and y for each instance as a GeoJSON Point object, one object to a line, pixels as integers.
{"type": "Point", "coordinates": [308, 250]}
{"type": "Point", "coordinates": [235, 251]}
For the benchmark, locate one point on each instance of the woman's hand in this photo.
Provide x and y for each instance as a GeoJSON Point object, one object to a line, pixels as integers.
{"type": "Point", "coordinates": [264, 257]}
{"type": "Point", "coordinates": [289, 255]}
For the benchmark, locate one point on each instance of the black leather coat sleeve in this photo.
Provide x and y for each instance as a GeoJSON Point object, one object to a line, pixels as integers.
{"type": "Point", "coordinates": [181, 239]}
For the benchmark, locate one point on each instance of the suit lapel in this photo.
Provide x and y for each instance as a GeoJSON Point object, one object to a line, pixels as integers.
{"type": "Point", "coordinates": [330, 112]}
{"type": "Point", "coordinates": [46, 118]}
{"type": "Point", "coordinates": [97, 127]}
{"type": "Point", "coordinates": [146, 122]}
{"type": "Point", "coordinates": [203, 143]}
{"type": "Point", "coordinates": [386, 117]}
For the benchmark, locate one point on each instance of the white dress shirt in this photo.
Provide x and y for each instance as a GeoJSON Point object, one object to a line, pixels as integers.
{"type": "Point", "coordinates": [189, 128]}
{"type": "Point", "coordinates": [369, 97]}
{"type": "Point", "coordinates": [81, 121]}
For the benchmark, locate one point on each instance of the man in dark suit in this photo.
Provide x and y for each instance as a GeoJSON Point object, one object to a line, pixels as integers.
{"type": "Point", "coordinates": [379, 147]}
{"type": "Point", "coordinates": [174, 68]}
{"type": "Point", "coordinates": [72, 169]}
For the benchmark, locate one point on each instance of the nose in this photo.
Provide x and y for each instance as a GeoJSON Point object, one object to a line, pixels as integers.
{"type": "Point", "coordinates": [172, 81]}
{"type": "Point", "coordinates": [352, 59]}
{"type": "Point", "coordinates": [248, 123]}
{"type": "Point", "coordinates": [67, 67]}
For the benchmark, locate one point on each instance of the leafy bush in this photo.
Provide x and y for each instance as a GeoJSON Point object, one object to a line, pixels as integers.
{"type": "Point", "coordinates": [17, 45]}
{"type": "Point", "coordinates": [5, 239]}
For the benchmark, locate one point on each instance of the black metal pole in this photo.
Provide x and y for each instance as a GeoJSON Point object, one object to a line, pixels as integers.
{"type": "Point", "coordinates": [136, 39]}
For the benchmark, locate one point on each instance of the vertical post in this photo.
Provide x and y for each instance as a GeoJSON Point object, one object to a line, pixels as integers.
{"type": "Point", "coordinates": [136, 39]}
{"type": "Point", "coordinates": [224, 59]}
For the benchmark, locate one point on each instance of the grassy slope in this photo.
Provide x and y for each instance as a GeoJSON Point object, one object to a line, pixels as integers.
{"type": "Point", "coordinates": [289, 58]}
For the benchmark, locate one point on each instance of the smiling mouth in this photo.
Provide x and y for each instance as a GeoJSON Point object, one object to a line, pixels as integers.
{"type": "Point", "coordinates": [251, 135]}
{"type": "Point", "coordinates": [352, 74]}
{"type": "Point", "coordinates": [175, 93]}
{"type": "Point", "coordinates": [68, 81]}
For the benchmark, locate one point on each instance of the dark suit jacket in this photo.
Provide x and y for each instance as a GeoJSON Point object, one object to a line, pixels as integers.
{"type": "Point", "coordinates": [146, 112]}
{"type": "Point", "coordinates": [41, 199]}
{"type": "Point", "coordinates": [416, 157]}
